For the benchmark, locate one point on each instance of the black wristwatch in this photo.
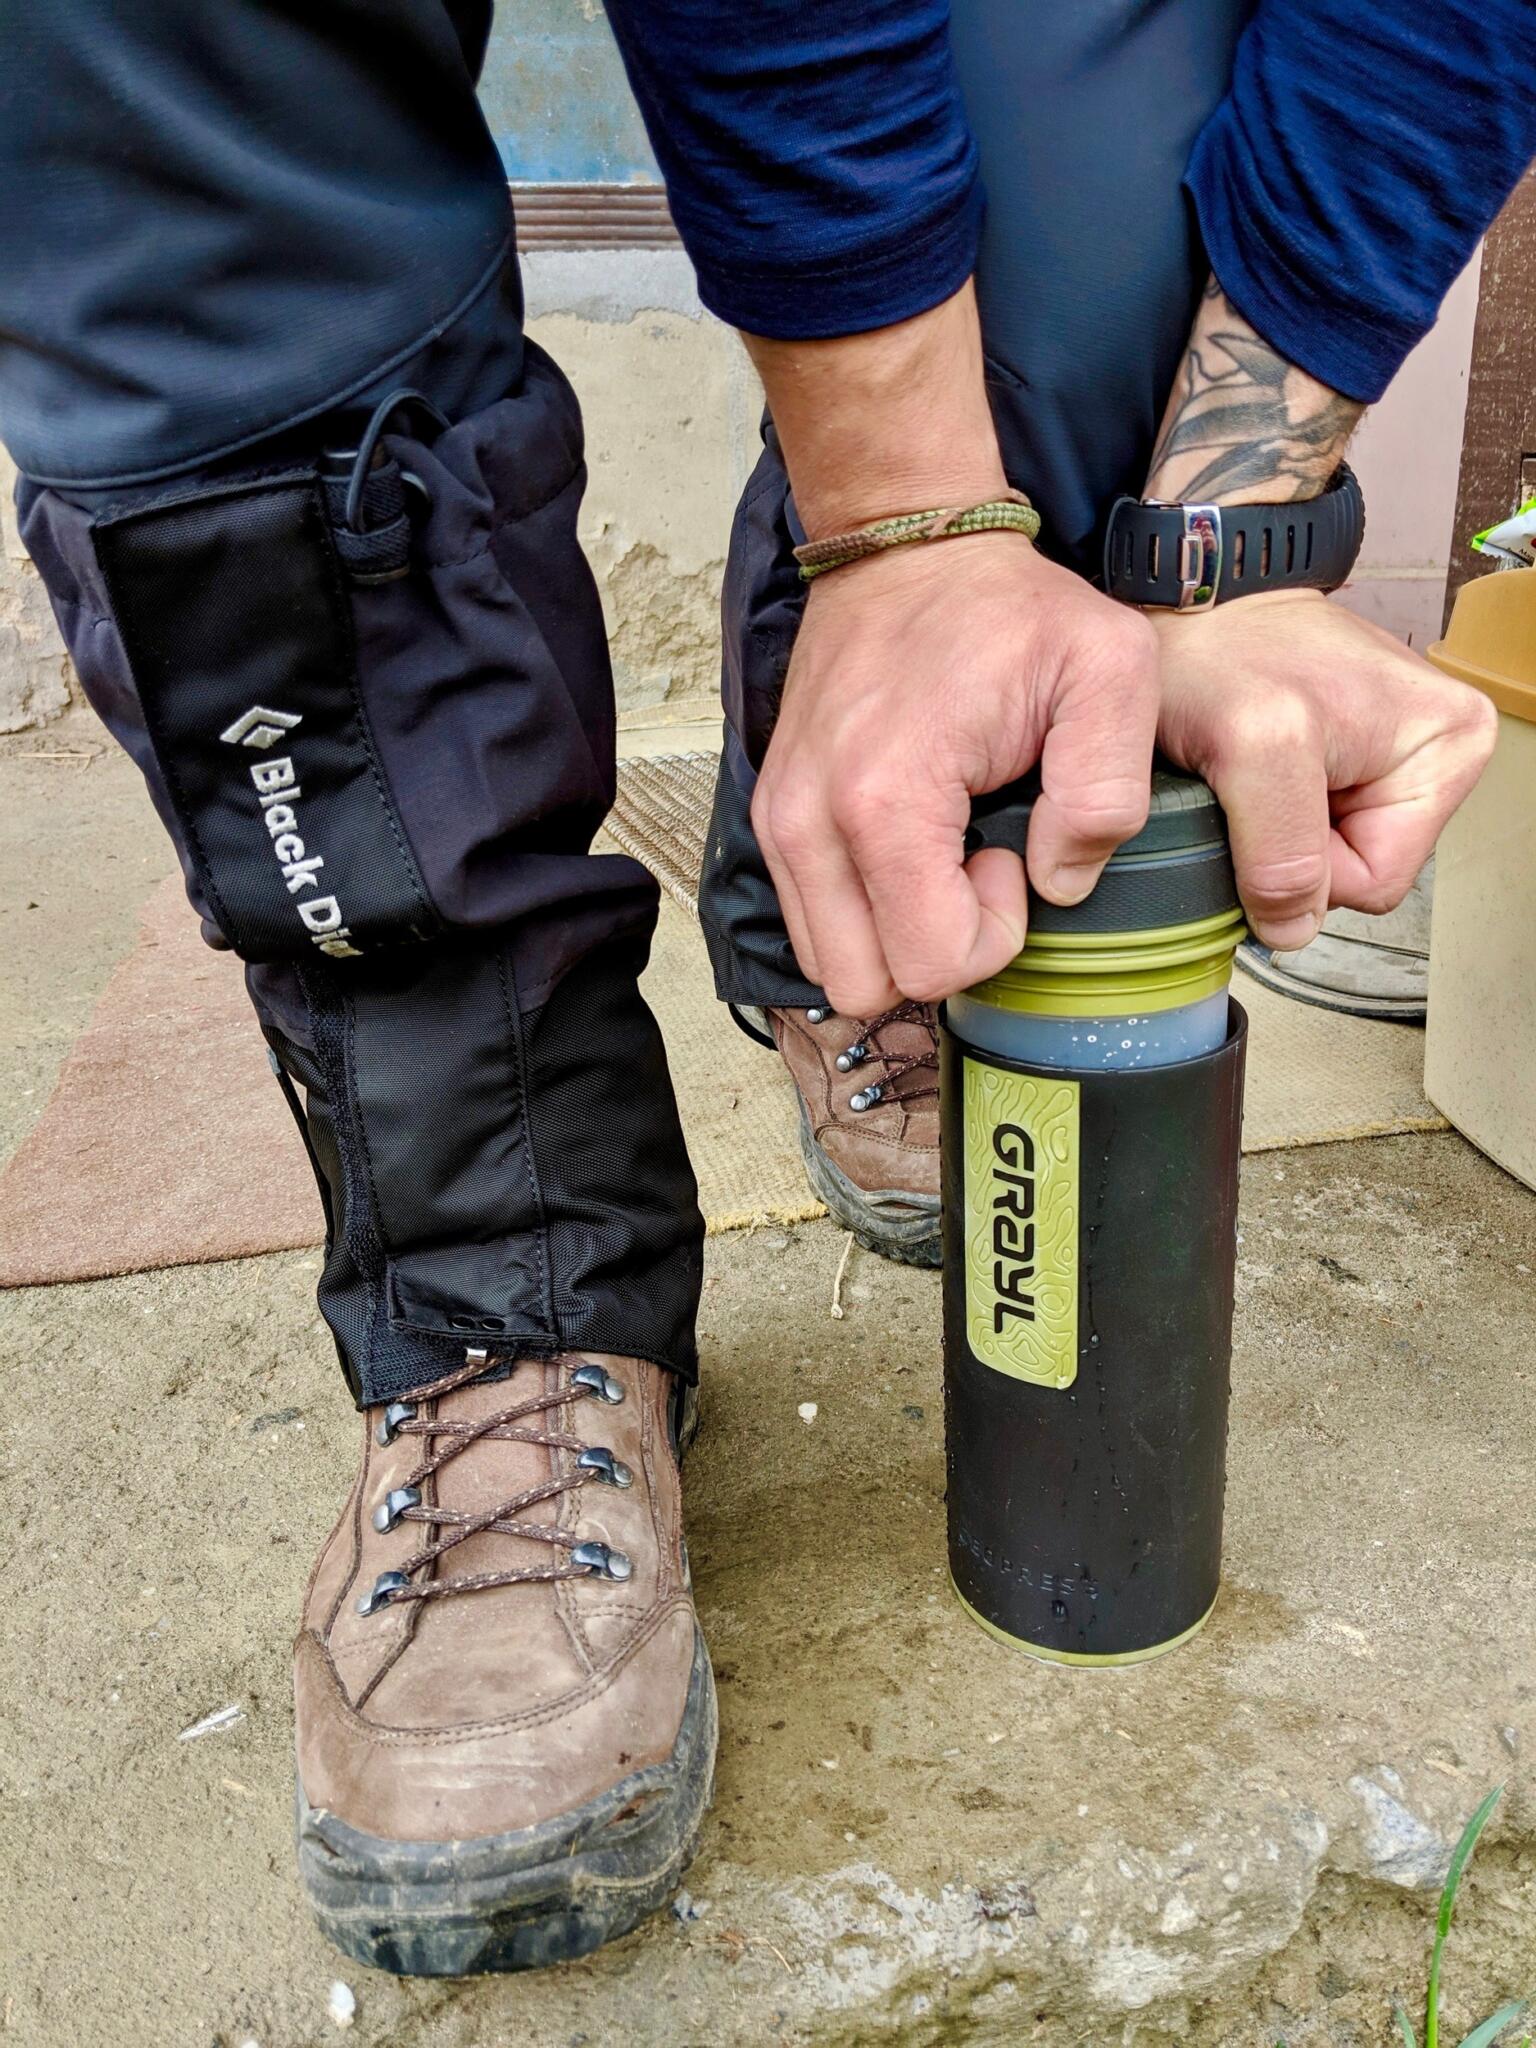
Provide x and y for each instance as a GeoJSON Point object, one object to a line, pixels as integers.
{"type": "Point", "coordinates": [1189, 557]}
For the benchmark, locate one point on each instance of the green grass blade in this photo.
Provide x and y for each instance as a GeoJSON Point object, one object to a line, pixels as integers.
{"type": "Point", "coordinates": [1404, 2027]}
{"type": "Point", "coordinates": [1460, 1856]}
{"type": "Point", "coordinates": [1490, 2030]}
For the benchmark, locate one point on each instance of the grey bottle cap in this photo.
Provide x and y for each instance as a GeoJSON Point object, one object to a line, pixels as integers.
{"type": "Point", "coordinates": [1177, 869]}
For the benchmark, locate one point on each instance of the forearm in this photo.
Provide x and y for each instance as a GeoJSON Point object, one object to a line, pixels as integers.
{"type": "Point", "coordinates": [895, 420]}
{"type": "Point", "coordinates": [1357, 157]}
{"type": "Point", "coordinates": [1243, 425]}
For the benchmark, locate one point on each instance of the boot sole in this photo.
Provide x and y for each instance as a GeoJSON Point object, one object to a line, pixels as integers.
{"type": "Point", "coordinates": [519, 1901]}
{"type": "Point", "coordinates": [893, 1222]}
{"type": "Point", "coordinates": [1259, 962]}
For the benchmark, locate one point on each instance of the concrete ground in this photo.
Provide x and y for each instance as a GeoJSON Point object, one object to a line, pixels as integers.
{"type": "Point", "coordinates": [918, 1835]}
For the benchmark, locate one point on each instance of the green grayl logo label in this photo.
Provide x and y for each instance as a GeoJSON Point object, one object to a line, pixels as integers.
{"type": "Point", "coordinates": [1021, 1177]}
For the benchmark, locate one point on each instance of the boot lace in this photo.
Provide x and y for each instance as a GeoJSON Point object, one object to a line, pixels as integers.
{"type": "Point", "coordinates": [903, 1077]}
{"type": "Point", "coordinates": [446, 1438]}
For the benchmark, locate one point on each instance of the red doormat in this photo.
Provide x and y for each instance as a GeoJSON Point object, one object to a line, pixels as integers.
{"type": "Point", "coordinates": [166, 1140]}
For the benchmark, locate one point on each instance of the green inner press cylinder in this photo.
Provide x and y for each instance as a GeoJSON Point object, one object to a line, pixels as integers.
{"type": "Point", "coordinates": [1090, 1186]}
{"type": "Point", "coordinates": [1115, 974]}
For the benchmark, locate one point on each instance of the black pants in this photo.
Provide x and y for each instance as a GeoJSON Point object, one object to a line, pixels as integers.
{"type": "Point", "coordinates": [349, 637]}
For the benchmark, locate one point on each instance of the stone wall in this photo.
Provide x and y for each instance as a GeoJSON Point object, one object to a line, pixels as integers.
{"type": "Point", "coordinates": [671, 405]}
{"type": "Point", "coordinates": [35, 677]}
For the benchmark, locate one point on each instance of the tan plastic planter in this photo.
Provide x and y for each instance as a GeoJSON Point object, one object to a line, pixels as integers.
{"type": "Point", "coordinates": [1480, 1049]}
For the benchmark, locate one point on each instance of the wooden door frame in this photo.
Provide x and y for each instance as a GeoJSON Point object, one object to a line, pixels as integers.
{"type": "Point", "coordinates": [1498, 450]}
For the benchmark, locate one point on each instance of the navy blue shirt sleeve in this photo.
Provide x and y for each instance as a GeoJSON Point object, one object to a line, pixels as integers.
{"type": "Point", "coordinates": [1347, 176]}
{"type": "Point", "coordinates": [823, 177]}
{"type": "Point", "coordinates": [818, 161]}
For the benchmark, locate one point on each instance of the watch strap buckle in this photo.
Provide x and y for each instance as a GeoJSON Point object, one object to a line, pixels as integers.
{"type": "Point", "coordinates": [1199, 557]}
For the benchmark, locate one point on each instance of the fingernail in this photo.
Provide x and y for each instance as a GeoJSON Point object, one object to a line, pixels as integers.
{"type": "Point", "coordinates": [1070, 884]}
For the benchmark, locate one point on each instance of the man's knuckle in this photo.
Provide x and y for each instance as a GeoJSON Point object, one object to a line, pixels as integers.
{"type": "Point", "coordinates": [1280, 722]}
{"type": "Point", "coordinates": [1477, 716]}
{"type": "Point", "coordinates": [1288, 880]}
{"type": "Point", "coordinates": [925, 984]}
{"type": "Point", "coordinates": [1107, 825]}
{"type": "Point", "coordinates": [861, 798]}
{"type": "Point", "coordinates": [1377, 900]}
{"type": "Point", "coordinates": [1378, 894]}
{"type": "Point", "coordinates": [1136, 646]}
{"type": "Point", "coordinates": [926, 964]}
{"type": "Point", "coordinates": [791, 824]}
{"type": "Point", "coordinates": [1114, 809]}
{"type": "Point", "coordinates": [879, 833]}
{"type": "Point", "coordinates": [1118, 660]}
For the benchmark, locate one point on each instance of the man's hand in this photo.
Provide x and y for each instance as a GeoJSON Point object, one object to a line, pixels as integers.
{"type": "Point", "coordinates": [1337, 755]}
{"type": "Point", "coordinates": [929, 675]}
{"type": "Point", "coordinates": [920, 679]}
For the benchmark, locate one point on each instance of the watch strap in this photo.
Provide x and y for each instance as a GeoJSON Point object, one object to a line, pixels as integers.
{"type": "Point", "coordinates": [1189, 557]}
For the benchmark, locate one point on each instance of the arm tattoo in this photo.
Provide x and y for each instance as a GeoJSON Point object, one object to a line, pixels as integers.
{"type": "Point", "coordinates": [1243, 423]}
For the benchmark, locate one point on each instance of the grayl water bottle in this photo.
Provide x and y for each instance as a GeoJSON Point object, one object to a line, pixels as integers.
{"type": "Point", "coordinates": [1092, 1110]}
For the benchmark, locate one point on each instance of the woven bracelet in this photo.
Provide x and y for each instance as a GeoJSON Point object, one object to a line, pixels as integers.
{"type": "Point", "coordinates": [1011, 513]}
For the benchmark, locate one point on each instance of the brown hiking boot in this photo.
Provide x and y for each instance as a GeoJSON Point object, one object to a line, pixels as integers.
{"type": "Point", "coordinates": [869, 1121]}
{"type": "Point", "coordinates": [505, 1713]}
